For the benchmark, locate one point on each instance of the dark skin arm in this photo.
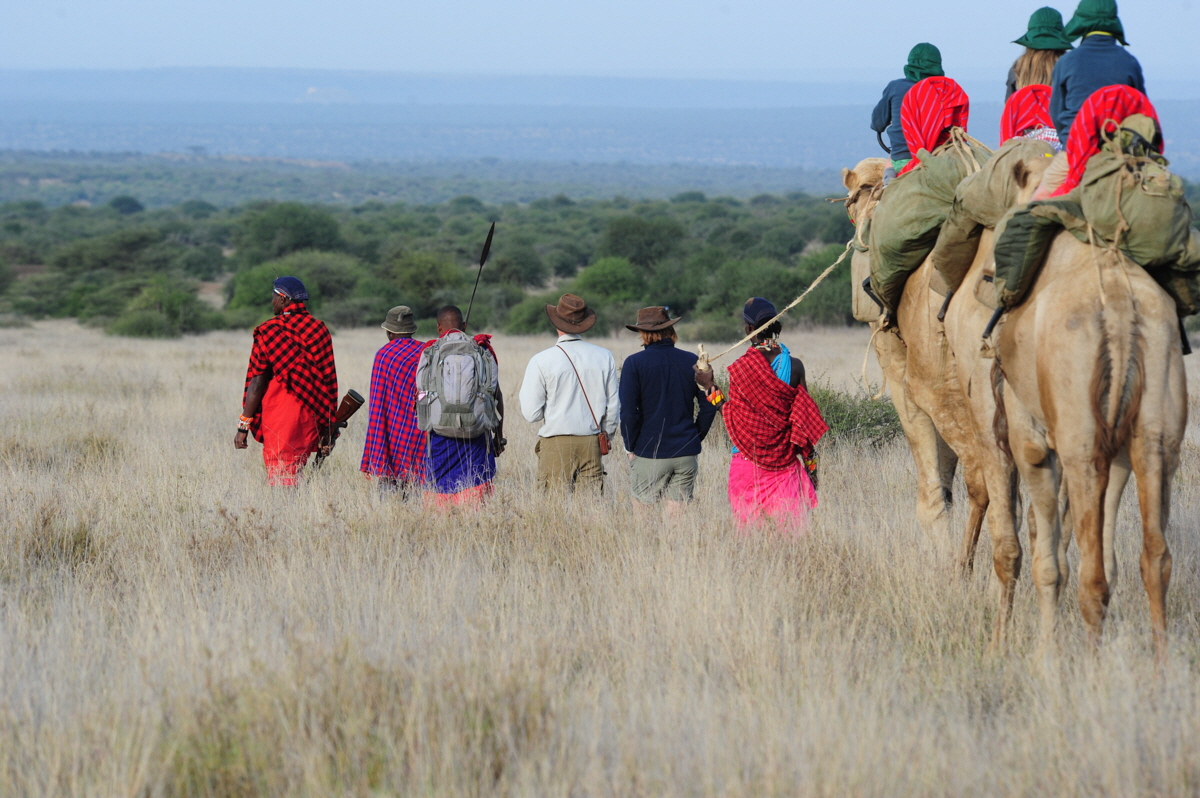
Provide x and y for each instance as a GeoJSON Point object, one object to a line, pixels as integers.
{"type": "Point", "coordinates": [497, 447]}
{"type": "Point", "coordinates": [254, 396]}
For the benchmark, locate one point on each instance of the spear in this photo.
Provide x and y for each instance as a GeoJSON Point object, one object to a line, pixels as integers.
{"type": "Point", "coordinates": [487, 247]}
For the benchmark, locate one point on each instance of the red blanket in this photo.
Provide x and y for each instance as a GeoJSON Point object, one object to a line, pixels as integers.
{"type": "Point", "coordinates": [1026, 109]}
{"type": "Point", "coordinates": [930, 108]}
{"type": "Point", "coordinates": [1100, 114]}
{"type": "Point", "coordinates": [768, 419]}
{"type": "Point", "coordinates": [295, 348]}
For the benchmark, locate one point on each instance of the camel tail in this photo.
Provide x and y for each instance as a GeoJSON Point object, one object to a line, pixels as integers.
{"type": "Point", "coordinates": [1119, 378]}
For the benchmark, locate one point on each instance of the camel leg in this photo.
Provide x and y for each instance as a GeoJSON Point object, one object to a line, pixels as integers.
{"type": "Point", "coordinates": [1086, 486]}
{"type": "Point", "coordinates": [1118, 478]}
{"type": "Point", "coordinates": [1154, 470]}
{"type": "Point", "coordinates": [978, 505]}
{"type": "Point", "coordinates": [1039, 468]}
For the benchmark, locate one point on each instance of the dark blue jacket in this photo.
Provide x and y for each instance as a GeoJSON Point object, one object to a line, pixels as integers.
{"type": "Point", "coordinates": [886, 117]}
{"type": "Point", "coordinates": [1097, 62]}
{"type": "Point", "coordinates": [658, 403]}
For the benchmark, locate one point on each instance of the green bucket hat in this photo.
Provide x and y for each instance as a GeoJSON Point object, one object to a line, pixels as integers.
{"type": "Point", "coordinates": [924, 61]}
{"type": "Point", "coordinates": [1096, 16]}
{"type": "Point", "coordinates": [1045, 31]}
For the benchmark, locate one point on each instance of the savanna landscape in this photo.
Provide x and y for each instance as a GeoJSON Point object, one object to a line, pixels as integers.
{"type": "Point", "coordinates": [171, 626]}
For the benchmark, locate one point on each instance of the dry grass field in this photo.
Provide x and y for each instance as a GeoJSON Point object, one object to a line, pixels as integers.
{"type": "Point", "coordinates": [170, 626]}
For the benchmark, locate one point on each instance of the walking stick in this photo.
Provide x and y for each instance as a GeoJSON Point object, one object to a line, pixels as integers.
{"type": "Point", "coordinates": [487, 247]}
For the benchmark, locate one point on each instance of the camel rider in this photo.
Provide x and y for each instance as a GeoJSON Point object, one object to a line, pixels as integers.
{"type": "Point", "coordinates": [1045, 42]}
{"type": "Point", "coordinates": [1100, 60]}
{"type": "Point", "coordinates": [924, 61]}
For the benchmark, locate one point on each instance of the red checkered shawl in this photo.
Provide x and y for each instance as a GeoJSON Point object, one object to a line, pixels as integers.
{"type": "Point", "coordinates": [768, 419]}
{"type": "Point", "coordinates": [930, 108]}
{"type": "Point", "coordinates": [1028, 108]}
{"type": "Point", "coordinates": [296, 348]}
{"type": "Point", "coordinates": [1101, 113]}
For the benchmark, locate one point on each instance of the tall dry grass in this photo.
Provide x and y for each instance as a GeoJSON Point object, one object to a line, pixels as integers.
{"type": "Point", "coordinates": [170, 626]}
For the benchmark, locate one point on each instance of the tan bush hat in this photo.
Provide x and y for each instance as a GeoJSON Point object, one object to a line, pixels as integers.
{"type": "Point", "coordinates": [652, 319]}
{"type": "Point", "coordinates": [571, 315]}
{"type": "Point", "coordinates": [400, 321]}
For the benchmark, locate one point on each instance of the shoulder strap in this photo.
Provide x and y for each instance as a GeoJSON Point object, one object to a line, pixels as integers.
{"type": "Point", "coordinates": [581, 388]}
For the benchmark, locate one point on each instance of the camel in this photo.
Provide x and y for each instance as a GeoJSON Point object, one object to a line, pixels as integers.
{"type": "Point", "coordinates": [919, 372]}
{"type": "Point", "coordinates": [1094, 388]}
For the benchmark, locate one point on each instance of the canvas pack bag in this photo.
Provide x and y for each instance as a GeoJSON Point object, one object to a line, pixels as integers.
{"type": "Point", "coordinates": [981, 200]}
{"type": "Point", "coordinates": [456, 388]}
{"type": "Point", "coordinates": [909, 216]}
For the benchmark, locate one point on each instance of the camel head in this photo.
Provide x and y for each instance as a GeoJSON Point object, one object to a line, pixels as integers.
{"type": "Point", "coordinates": [861, 180]}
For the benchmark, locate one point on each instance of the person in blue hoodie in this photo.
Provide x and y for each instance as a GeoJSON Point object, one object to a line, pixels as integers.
{"type": "Point", "coordinates": [1100, 60]}
{"type": "Point", "coordinates": [924, 61]}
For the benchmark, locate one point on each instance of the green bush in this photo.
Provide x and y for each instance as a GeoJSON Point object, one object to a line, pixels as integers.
{"type": "Point", "coordinates": [528, 317]}
{"type": "Point", "coordinates": [273, 230]}
{"type": "Point", "coordinates": [144, 324]}
{"type": "Point", "coordinates": [425, 281]}
{"type": "Point", "coordinates": [856, 417]}
{"type": "Point", "coordinates": [611, 280]}
{"type": "Point", "coordinates": [642, 241]}
{"type": "Point", "coordinates": [328, 276]}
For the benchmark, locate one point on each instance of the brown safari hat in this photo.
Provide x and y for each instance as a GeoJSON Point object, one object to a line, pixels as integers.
{"type": "Point", "coordinates": [652, 320]}
{"type": "Point", "coordinates": [571, 315]}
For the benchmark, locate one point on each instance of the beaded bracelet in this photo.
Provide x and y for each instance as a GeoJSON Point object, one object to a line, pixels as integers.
{"type": "Point", "coordinates": [714, 396]}
{"type": "Point", "coordinates": [244, 423]}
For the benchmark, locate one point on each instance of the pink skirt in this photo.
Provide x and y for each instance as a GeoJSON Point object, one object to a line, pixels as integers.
{"type": "Point", "coordinates": [762, 498]}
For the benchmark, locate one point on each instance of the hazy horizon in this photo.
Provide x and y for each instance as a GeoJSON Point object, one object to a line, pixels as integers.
{"type": "Point", "coordinates": [712, 39]}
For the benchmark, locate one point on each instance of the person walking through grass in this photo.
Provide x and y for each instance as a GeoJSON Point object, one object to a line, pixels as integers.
{"type": "Point", "coordinates": [660, 424]}
{"type": "Point", "coordinates": [572, 387]}
{"type": "Point", "coordinates": [290, 394]}
{"type": "Point", "coordinates": [460, 405]}
{"type": "Point", "coordinates": [394, 452]}
{"type": "Point", "coordinates": [774, 425]}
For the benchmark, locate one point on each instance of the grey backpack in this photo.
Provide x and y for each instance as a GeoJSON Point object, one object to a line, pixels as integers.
{"type": "Point", "coordinates": [456, 388]}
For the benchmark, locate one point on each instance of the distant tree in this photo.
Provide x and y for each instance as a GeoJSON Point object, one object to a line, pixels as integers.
{"type": "Point", "coordinates": [422, 280]}
{"type": "Point", "coordinates": [126, 205]}
{"type": "Point", "coordinates": [277, 229]}
{"type": "Point", "coordinates": [611, 280]}
{"type": "Point", "coordinates": [197, 209]}
{"type": "Point", "coordinates": [328, 276]}
{"type": "Point", "coordinates": [517, 263]}
{"type": "Point", "coordinates": [642, 241]}
{"type": "Point", "coordinates": [690, 196]}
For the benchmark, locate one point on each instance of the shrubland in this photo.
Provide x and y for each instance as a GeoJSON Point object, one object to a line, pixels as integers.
{"type": "Point", "coordinates": [195, 267]}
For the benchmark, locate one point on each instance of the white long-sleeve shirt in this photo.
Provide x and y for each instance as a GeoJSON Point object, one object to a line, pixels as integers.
{"type": "Point", "coordinates": [551, 392]}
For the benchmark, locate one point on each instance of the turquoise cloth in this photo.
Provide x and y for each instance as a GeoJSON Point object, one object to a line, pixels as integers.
{"type": "Point", "coordinates": [782, 366]}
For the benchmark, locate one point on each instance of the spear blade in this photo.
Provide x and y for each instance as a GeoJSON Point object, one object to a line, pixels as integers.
{"type": "Point", "coordinates": [487, 247]}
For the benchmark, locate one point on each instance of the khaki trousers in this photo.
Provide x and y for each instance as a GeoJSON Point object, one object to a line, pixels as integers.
{"type": "Point", "coordinates": [569, 461]}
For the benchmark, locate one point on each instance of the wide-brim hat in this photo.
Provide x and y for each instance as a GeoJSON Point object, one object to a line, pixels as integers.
{"type": "Point", "coordinates": [400, 321]}
{"type": "Point", "coordinates": [1045, 31]}
{"type": "Point", "coordinates": [571, 314]}
{"type": "Point", "coordinates": [1096, 16]}
{"type": "Point", "coordinates": [653, 319]}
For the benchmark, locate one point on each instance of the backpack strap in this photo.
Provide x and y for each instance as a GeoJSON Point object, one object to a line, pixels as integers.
{"type": "Point", "coordinates": [581, 388]}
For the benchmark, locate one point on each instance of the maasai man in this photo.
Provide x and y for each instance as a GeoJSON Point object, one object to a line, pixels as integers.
{"type": "Point", "coordinates": [572, 387]}
{"type": "Point", "coordinates": [774, 425]}
{"type": "Point", "coordinates": [461, 470]}
{"type": "Point", "coordinates": [924, 61]}
{"type": "Point", "coordinates": [395, 448]}
{"type": "Point", "coordinates": [290, 396]}
{"type": "Point", "coordinates": [660, 423]}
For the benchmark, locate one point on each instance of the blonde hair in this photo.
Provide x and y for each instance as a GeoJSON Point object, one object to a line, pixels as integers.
{"type": "Point", "coordinates": [658, 335]}
{"type": "Point", "coordinates": [1035, 67]}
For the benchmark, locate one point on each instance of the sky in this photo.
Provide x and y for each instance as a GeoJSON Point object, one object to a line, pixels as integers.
{"type": "Point", "coordinates": [771, 39]}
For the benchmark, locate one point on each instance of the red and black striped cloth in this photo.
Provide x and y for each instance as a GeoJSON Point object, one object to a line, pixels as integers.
{"type": "Point", "coordinates": [768, 419]}
{"type": "Point", "coordinates": [296, 349]}
{"type": "Point", "coordinates": [1101, 114]}
{"type": "Point", "coordinates": [1027, 109]}
{"type": "Point", "coordinates": [930, 108]}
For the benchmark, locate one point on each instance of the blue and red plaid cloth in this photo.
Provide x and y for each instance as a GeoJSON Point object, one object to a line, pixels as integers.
{"type": "Point", "coordinates": [395, 448]}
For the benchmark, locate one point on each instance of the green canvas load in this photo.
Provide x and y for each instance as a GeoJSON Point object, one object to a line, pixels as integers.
{"type": "Point", "coordinates": [1023, 237]}
{"type": "Point", "coordinates": [1127, 199]}
{"type": "Point", "coordinates": [905, 225]}
{"type": "Point", "coordinates": [981, 201]}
